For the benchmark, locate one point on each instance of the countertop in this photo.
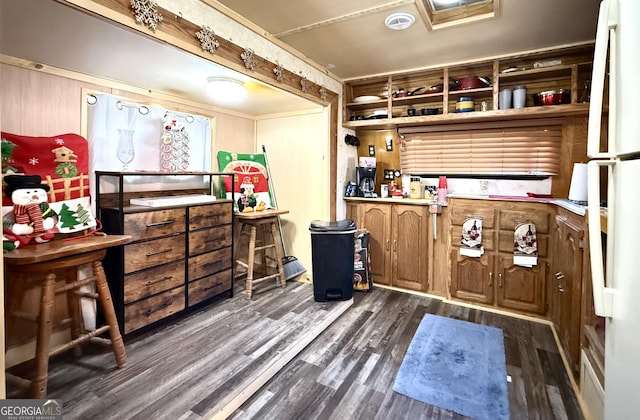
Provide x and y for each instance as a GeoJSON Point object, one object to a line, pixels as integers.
{"type": "Point", "coordinates": [561, 202]}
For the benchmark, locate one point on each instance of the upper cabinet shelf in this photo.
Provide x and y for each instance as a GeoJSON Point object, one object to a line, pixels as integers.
{"type": "Point", "coordinates": [430, 96]}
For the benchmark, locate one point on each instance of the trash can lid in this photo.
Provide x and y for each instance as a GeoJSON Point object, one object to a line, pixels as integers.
{"type": "Point", "coordinates": [332, 226]}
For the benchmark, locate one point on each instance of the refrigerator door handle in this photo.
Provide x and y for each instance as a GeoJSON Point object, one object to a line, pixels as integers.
{"type": "Point", "coordinates": [606, 32]}
{"type": "Point", "coordinates": [602, 295]}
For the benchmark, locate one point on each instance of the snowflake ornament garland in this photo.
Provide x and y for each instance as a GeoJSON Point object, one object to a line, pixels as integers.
{"type": "Point", "coordinates": [323, 93]}
{"type": "Point", "coordinates": [207, 39]}
{"type": "Point", "coordinates": [278, 70]}
{"type": "Point", "coordinates": [249, 59]}
{"type": "Point", "coordinates": [146, 13]}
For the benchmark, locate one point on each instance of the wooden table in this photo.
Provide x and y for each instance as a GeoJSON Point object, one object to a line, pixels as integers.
{"type": "Point", "coordinates": [27, 266]}
{"type": "Point", "coordinates": [269, 220]}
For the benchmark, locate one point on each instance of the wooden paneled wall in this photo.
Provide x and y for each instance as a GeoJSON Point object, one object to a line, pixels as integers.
{"type": "Point", "coordinates": [384, 158]}
{"type": "Point", "coordinates": [50, 102]}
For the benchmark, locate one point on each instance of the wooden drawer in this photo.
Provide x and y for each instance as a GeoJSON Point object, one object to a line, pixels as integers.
{"type": "Point", "coordinates": [209, 286]}
{"type": "Point", "coordinates": [206, 240]}
{"type": "Point", "coordinates": [506, 243]}
{"type": "Point", "coordinates": [459, 213]}
{"type": "Point", "coordinates": [153, 281]}
{"type": "Point", "coordinates": [141, 255]}
{"type": "Point", "coordinates": [152, 309]}
{"type": "Point", "coordinates": [488, 242]}
{"type": "Point", "coordinates": [209, 263]}
{"type": "Point", "coordinates": [209, 215]}
{"type": "Point", "coordinates": [153, 224]}
{"type": "Point", "coordinates": [540, 217]}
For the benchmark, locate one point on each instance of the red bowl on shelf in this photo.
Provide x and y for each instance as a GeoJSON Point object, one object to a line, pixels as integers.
{"type": "Point", "coordinates": [552, 97]}
{"type": "Point", "coordinates": [473, 82]}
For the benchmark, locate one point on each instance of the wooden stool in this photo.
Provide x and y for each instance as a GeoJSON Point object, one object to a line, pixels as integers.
{"type": "Point", "coordinates": [247, 225]}
{"type": "Point", "coordinates": [28, 265]}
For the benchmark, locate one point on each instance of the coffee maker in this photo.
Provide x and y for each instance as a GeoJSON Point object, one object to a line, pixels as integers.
{"type": "Point", "coordinates": [366, 181]}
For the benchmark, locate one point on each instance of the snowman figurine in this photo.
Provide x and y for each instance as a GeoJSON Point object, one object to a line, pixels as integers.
{"type": "Point", "coordinates": [33, 217]}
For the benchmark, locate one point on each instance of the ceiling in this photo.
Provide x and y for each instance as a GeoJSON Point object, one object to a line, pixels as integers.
{"type": "Point", "coordinates": [348, 37]}
{"type": "Point", "coordinates": [51, 33]}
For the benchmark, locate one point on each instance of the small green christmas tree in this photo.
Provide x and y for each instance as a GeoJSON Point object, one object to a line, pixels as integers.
{"type": "Point", "coordinates": [68, 218]}
{"type": "Point", "coordinates": [83, 215]}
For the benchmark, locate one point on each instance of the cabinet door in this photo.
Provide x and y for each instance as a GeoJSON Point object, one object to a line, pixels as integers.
{"type": "Point", "coordinates": [568, 278]}
{"type": "Point", "coordinates": [376, 218]}
{"type": "Point", "coordinates": [472, 278]}
{"type": "Point", "coordinates": [352, 213]}
{"type": "Point", "coordinates": [521, 288]}
{"type": "Point", "coordinates": [410, 247]}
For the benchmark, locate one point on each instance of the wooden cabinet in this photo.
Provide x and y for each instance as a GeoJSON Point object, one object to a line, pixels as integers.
{"type": "Point", "coordinates": [565, 288]}
{"type": "Point", "coordinates": [493, 278]}
{"type": "Point", "coordinates": [399, 243]}
{"type": "Point", "coordinates": [180, 256]}
{"type": "Point", "coordinates": [375, 103]}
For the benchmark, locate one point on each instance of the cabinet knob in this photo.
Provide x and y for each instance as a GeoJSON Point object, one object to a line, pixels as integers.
{"type": "Point", "coordinates": [560, 288]}
{"type": "Point", "coordinates": [490, 279]}
{"type": "Point", "coordinates": [395, 245]}
{"type": "Point", "coordinates": [500, 280]}
{"type": "Point", "coordinates": [386, 245]}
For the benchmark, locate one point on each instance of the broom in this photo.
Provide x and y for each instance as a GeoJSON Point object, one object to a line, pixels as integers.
{"type": "Point", "coordinates": [290, 264]}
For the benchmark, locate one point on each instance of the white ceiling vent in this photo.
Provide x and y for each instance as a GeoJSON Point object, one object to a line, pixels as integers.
{"type": "Point", "coordinates": [399, 21]}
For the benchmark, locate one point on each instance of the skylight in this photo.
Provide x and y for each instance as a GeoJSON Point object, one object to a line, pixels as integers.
{"type": "Point", "coordinates": [443, 13]}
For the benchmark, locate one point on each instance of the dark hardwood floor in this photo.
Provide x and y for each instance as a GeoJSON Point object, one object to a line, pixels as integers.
{"type": "Point", "coordinates": [199, 366]}
{"type": "Point", "coordinates": [349, 370]}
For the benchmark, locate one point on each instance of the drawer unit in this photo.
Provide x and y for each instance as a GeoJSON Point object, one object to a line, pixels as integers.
{"type": "Point", "coordinates": [206, 240]}
{"type": "Point", "coordinates": [141, 255]}
{"type": "Point", "coordinates": [211, 262]}
{"type": "Point", "coordinates": [154, 224]}
{"type": "Point", "coordinates": [153, 281]}
{"type": "Point", "coordinates": [180, 256]}
{"type": "Point", "coordinates": [206, 287]}
{"type": "Point", "coordinates": [209, 215]}
{"type": "Point", "coordinates": [152, 309]}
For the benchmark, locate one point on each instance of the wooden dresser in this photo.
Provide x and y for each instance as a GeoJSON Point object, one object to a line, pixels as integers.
{"type": "Point", "coordinates": [180, 255]}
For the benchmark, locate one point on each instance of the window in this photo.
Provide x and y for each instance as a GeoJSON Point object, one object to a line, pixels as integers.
{"type": "Point", "coordinates": [507, 151]}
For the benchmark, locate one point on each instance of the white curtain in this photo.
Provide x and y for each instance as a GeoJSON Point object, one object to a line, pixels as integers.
{"type": "Point", "coordinates": [110, 114]}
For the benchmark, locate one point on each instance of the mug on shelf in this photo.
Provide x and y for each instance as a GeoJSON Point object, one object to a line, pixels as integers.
{"type": "Point", "coordinates": [505, 97]}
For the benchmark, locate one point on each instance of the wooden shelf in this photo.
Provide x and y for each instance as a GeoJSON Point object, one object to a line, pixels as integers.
{"type": "Point", "coordinates": [545, 72]}
{"type": "Point", "coordinates": [471, 92]}
{"type": "Point", "coordinates": [551, 111]}
{"type": "Point", "coordinates": [571, 74]}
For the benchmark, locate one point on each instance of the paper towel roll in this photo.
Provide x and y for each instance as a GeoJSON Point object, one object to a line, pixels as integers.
{"type": "Point", "coordinates": [578, 188]}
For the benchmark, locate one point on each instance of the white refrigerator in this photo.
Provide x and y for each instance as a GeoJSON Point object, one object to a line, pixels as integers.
{"type": "Point", "coordinates": [616, 292]}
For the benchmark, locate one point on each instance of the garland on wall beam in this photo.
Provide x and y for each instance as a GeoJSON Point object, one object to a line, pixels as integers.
{"type": "Point", "coordinates": [204, 39]}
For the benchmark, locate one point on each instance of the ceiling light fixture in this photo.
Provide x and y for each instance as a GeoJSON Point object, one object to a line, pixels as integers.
{"type": "Point", "coordinates": [226, 89]}
{"type": "Point", "coordinates": [399, 21]}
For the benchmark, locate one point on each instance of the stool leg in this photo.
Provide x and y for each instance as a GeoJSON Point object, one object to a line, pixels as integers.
{"type": "Point", "coordinates": [237, 237]}
{"type": "Point", "coordinates": [14, 294]}
{"type": "Point", "coordinates": [45, 321]}
{"type": "Point", "coordinates": [73, 306]}
{"type": "Point", "coordinates": [238, 246]}
{"type": "Point", "coordinates": [250, 260]}
{"type": "Point", "coordinates": [277, 241]}
{"type": "Point", "coordinates": [109, 314]}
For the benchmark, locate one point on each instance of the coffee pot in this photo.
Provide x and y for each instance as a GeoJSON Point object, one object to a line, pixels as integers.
{"type": "Point", "coordinates": [366, 181]}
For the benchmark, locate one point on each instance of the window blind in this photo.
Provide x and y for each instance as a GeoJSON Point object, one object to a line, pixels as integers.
{"type": "Point", "coordinates": [518, 151]}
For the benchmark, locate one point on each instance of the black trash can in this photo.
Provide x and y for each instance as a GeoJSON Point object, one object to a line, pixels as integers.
{"type": "Point", "coordinates": [332, 245]}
